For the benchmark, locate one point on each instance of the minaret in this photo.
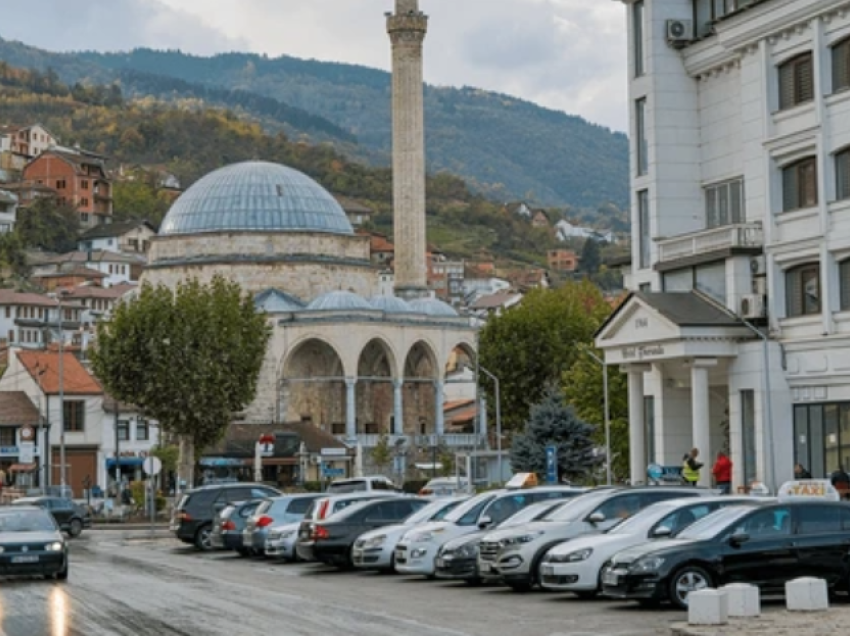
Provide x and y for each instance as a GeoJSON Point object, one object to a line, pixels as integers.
{"type": "Point", "coordinates": [407, 28]}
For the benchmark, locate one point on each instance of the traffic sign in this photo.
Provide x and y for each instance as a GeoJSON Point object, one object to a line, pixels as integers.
{"type": "Point", "coordinates": [334, 452]}
{"type": "Point", "coordinates": [552, 464]}
{"type": "Point", "coordinates": [328, 471]}
{"type": "Point", "coordinates": [152, 465]}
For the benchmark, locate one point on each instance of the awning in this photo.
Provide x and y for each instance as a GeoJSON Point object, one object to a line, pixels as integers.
{"type": "Point", "coordinates": [125, 461]}
{"type": "Point", "coordinates": [22, 468]}
{"type": "Point", "coordinates": [222, 461]}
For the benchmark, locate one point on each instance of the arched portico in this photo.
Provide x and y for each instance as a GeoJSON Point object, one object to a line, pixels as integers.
{"type": "Point", "coordinates": [313, 385]}
{"type": "Point", "coordinates": [376, 371]}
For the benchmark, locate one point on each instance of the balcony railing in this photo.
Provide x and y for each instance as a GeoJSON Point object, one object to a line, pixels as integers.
{"type": "Point", "coordinates": [712, 240]}
{"type": "Point", "coordinates": [452, 440]}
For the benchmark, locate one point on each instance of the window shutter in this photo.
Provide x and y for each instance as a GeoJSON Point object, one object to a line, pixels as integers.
{"type": "Point", "coordinates": [793, 293]}
{"type": "Point", "coordinates": [790, 188]}
{"type": "Point", "coordinates": [807, 182]}
{"type": "Point", "coordinates": [842, 173]}
{"type": "Point", "coordinates": [786, 85]}
{"type": "Point", "coordinates": [736, 202]}
{"type": "Point", "coordinates": [711, 207]}
{"type": "Point", "coordinates": [805, 79]}
{"type": "Point", "coordinates": [841, 66]}
{"type": "Point", "coordinates": [844, 282]}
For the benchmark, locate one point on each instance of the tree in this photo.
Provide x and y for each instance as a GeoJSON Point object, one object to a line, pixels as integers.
{"type": "Point", "coordinates": [533, 343]}
{"type": "Point", "coordinates": [49, 225]}
{"type": "Point", "coordinates": [591, 257]}
{"type": "Point", "coordinates": [552, 422]}
{"type": "Point", "coordinates": [382, 454]}
{"type": "Point", "coordinates": [169, 455]}
{"type": "Point", "coordinates": [189, 358]}
{"type": "Point", "coordinates": [584, 391]}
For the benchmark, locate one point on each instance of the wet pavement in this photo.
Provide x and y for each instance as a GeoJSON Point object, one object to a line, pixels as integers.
{"type": "Point", "coordinates": [131, 584]}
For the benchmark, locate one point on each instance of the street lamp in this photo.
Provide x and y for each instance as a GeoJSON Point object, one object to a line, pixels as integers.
{"type": "Point", "coordinates": [498, 420]}
{"type": "Point", "coordinates": [607, 412]}
{"type": "Point", "coordinates": [61, 372]}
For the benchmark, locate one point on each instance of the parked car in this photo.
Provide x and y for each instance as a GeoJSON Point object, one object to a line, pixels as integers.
{"type": "Point", "coordinates": [764, 546]}
{"type": "Point", "coordinates": [513, 555]}
{"type": "Point", "coordinates": [69, 516]}
{"type": "Point", "coordinates": [275, 510]}
{"type": "Point", "coordinates": [458, 558]}
{"type": "Point", "coordinates": [193, 515]}
{"type": "Point", "coordinates": [281, 540]}
{"type": "Point", "coordinates": [332, 540]}
{"type": "Point", "coordinates": [361, 484]}
{"type": "Point", "coordinates": [417, 551]}
{"type": "Point", "coordinates": [576, 565]}
{"type": "Point", "coordinates": [375, 550]}
{"type": "Point", "coordinates": [31, 543]}
{"type": "Point", "coordinates": [228, 524]}
{"type": "Point", "coordinates": [444, 487]}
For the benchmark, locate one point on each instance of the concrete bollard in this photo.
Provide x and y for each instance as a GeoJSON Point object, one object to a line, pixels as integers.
{"type": "Point", "coordinates": [744, 600]}
{"type": "Point", "coordinates": [708, 607]}
{"type": "Point", "coordinates": [806, 595]}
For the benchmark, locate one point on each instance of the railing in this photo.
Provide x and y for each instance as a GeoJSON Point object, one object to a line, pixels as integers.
{"type": "Point", "coordinates": [714, 239]}
{"type": "Point", "coordinates": [451, 440]}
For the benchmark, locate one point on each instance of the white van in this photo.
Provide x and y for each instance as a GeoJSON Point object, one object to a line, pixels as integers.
{"type": "Point", "coordinates": [361, 484]}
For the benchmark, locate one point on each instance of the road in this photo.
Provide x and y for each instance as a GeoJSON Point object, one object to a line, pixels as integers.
{"type": "Point", "coordinates": [129, 584]}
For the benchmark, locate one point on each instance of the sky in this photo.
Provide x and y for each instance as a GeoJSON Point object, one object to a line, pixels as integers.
{"type": "Point", "coordinates": [564, 54]}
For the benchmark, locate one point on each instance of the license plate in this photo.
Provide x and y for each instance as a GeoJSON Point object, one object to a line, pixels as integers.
{"type": "Point", "coordinates": [25, 559]}
{"type": "Point", "coordinates": [493, 570]}
{"type": "Point", "coordinates": [610, 578]}
{"type": "Point", "coordinates": [548, 570]}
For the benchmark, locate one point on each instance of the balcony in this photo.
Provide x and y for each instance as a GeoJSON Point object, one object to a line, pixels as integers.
{"type": "Point", "coordinates": [451, 440]}
{"type": "Point", "coordinates": [716, 239]}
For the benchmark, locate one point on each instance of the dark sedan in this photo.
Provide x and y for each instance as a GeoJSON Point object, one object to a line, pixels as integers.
{"type": "Point", "coordinates": [765, 546]}
{"type": "Point", "coordinates": [331, 540]}
{"type": "Point", "coordinates": [71, 517]}
{"type": "Point", "coordinates": [229, 524]}
{"type": "Point", "coordinates": [31, 543]}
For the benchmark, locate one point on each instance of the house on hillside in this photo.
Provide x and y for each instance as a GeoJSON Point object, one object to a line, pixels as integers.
{"type": "Point", "coordinates": [566, 230]}
{"type": "Point", "coordinates": [520, 208]}
{"type": "Point", "coordinates": [527, 279]}
{"type": "Point", "coordinates": [97, 302]}
{"type": "Point", "coordinates": [540, 219]}
{"type": "Point", "coordinates": [381, 250]}
{"type": "Point", "coordinates": [445, 277]}
{"type": "Point", "coordinates": [132, 237]}
{"type": "Point", "coordinates": [562, 260]}
{"type": "Point", "coordinates": [17, 412]}
{"type": "Point", "coordinates": [495, 304]}
{"type": "Point", "coordinates": [357, 213]}
{"type": "Point", "coordinates": [29, 192]}
{"type": "Point", "coordinates": [26, 141]}
{"type": "Point", "coordinates": [8, 211]}
{"type": "Point", "coordinates": [69, 276]}
{"type": "Point", "coordinates": [31, 320]}
{"type": "Point", "coordinates": [118, 267]}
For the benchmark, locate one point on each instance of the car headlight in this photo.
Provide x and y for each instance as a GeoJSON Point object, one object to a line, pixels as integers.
{"type": "Point", "coordinates": [570, 557]}
{"type": "Point", "coordinates": [521, 538]}
{"type": "Point", "coordinates": [647, 564]}
{"type": "Point", "coordinates": [375, 542]}
{"type": "Point", "coordinates": [469, 550]}
{"type": "Point", "coordinates": [56, 546]}
{"type": "Point", "coordinates": [423, 537]}
{"type": "Point", "coordinates": [288, 534]}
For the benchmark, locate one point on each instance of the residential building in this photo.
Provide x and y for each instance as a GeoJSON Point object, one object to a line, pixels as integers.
{"type": "Point", "coordinates": [562, 260]}
{"type": "Point", "coordinates": [131, 237]}
{"type": "Point", "coordinates": [381, 250]}
{"type": "Point", "coordinates": [357, 213]}
{"type": "Point", "coordinates": [494, 304]}
{"type": "Point", "coordinates": [31, 320]}
{"type": "Point", "coordinates": [28, 192]}
{"type": "Point", "coordinates": [25, 141]}
{"type": "Point", "coordinates": [539, 218]}
{"type": "Point", "coordinates": [8, 211]}
{"type": "Point", "coordinates": [117, 266]}
{"type": "Point", "coordinates": [445, 277]}
{"type": "Point", "coordinates": [735, 335]}
{"type": "Point", "coordinates": [97, 302]}
{"type": "Point", "coordinates": [128, 438]}
{"type": "Point", "coordinates": [527, 279]}
{"type": "Point", "coordinates": [520, 208]}
{"type": "Point", "coordinates": [69, 276]}
{"type": "Point", "coordinates": [17, 412]}
{"type": "Point", "coordinates": [478, 286]}
{"type": "Point", "coordinates": [566, 230]}
{"type": "Point", "coordinates": [79, 179]}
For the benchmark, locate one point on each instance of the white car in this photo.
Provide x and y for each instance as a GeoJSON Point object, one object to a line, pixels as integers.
{"type": "Point", "coordinates": [280, 541]}
{"type": "Point", "coordinates": [416, 553]}
{"type": "Point", "coordinates": [375, 550]}
{"type": "Point", "coordinates": [575, 566]}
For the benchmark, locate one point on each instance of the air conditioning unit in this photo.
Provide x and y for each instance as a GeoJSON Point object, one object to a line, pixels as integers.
{"type": "Point", "coordinates": [758, 266]}
{"type": "Point", "coordinates": [315, 459]}
{"type": "Point", "coordinates": [680, 31]}
{"type": "Point", "coordinates": [753, 306]}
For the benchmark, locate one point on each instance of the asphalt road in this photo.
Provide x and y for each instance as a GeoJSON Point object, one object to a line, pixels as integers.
{"type": "Point", "coordinates": [130, 585]}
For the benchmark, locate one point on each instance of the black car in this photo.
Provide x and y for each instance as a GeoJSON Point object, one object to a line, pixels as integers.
{"type": "Point", "coordinates": [194, 513]}
{"type": "Point", "coordinates": [31, 543]}
{"type": "Point", "coordinates": [229, 524]}
{"type": "Point", "coordinates": [70, 517]}
{"type": "Point", "coordinates": [331, 540]}
{"type": "Point", "coordinates": [765, 546]}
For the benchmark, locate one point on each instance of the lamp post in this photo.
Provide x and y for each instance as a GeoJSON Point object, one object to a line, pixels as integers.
{"type": "Point", "coordinates": [61, 373]}
{"type": "Point", "coordinates": [498, 420]}
{"type": "Point", "coordinates": [607, 412]}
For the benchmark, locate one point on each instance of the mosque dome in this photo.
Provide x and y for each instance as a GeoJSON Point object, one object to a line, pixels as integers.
{"type": "Point", "coordinates": [255, 196]}
{"type": "Point", "coordinates": [391, 305]}
{"type": "Point", "coordinates": [274, 301]}
{"type": "Point", "coordinates": [339, 301]}
{"type": "Point", "coordinates": [433, 307]}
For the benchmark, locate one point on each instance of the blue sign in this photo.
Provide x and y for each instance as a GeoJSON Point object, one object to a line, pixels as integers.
{"type": "Point", "coordinates": [657, 472]}
{"type": "Point", "coordinates": [329, 471]}
{"type": "Point", "coordinates": [552, 464]}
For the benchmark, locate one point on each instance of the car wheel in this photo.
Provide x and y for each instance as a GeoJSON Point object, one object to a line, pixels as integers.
{"type": "Point", "coordinates": [475, 581]}
{"type": "Point", "coordinates": [690, 578]}
{"type": "Point", "coordinates": [519, 586]}
{"type": "Point", "coordinates": [62, 575]}
{"type": "Point", "coordinates": [203, 538]}
{"type": "Point", "coordinates": [243, 552]}
{"type": "Point", "coordinates": [75, 528]}
{"type": "Point", "coordinates": [586, 595]}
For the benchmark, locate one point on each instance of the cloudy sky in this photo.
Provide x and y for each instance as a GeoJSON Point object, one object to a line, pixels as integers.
{"type": "Point", "coordinates": [564, 54]}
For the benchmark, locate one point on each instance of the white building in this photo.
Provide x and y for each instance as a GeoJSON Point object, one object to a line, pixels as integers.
{"type": "Point", "coordinates": [566, 230]}
{"type": "Point", "coordinates": [132, 237]}
{"type": "Point", "coordinates": [31, 321]}
{"type": "Point", "coordinates": [740, 154]}
{"type": "Point", "coordinates": [118, 267]}
{"type": "Point", "coordinates": [8, 211]}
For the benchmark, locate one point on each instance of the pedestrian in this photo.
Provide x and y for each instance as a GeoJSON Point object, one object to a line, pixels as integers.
{"type": "Point", "coordinates": [800, 472]}
{"type": "Point", "coordinates": [722, 472]}
{"type": "Point", "coordinates": [841, 480]}
{"type": "Point", "coordinates": [691, 467]}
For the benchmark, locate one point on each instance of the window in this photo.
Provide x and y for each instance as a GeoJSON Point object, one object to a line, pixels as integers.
{"type": "Point", "coordinates": [799, 185]}
{"type": "Point", "coordinates": [802, 290]}
{"type": "Point", "coordinates": [7, 436]}
{"type": "Point", "coordinates": [796, 81]}
{"type": "Point", "coordinates": [123, 431]}
{"type": "Point", "coordinates": [84, 185]}
{"type": "Point", "coordinates": [299, 505]}
{"type": "Point", "coordinates": [142, 430]}
{"type": "Point", "coordinates": [643, 228]}
{"type": "Point", "coordinates": [724, 203]}
{"type": "Point", "coordinates": [620, 507]}
{"type": "Point", "coordinates": [844, 284]}
{"type": "Point", "coordinates": [640, 137]}
{"type": "Point", "coordinates": [60, 184]}
{"type": "Point", "coordinates": [766, 524]}
{"type": "Point", "coordinates": [841, 66]}
{"type": "Point", "coordinates": [74, 414]}
{"type": "Point", "coordinates": [84, 202]}
{"type": "Point", "coordinates": [649, 427]}
{"type": "Point", "coordinates": [637, 34]}
{"type": "Point", "coordinates": [842, 174]}
{"type": "Point", "coordinates": [11, 335]}
{"type": "Point", "coordinates": [748, 434]}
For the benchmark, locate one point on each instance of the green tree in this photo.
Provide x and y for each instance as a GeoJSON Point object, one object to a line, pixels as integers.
{"type": "Point", "coordinates": [12, 259]}
{"type": "Point", "coordinates": [169, 456]}
{"type": "Point", "coordinates": [584, 391]}
{"type": "Point", "coordinates": [533, 343]}
{"type": "Point", "coordinates": [188, 358]}
{"type": "Point", "coordinates": [48, 225]}
{"type": "Point", "coordinates": [382, 454]}
{"type": "Point", "coordinates": [552, 422]}
{"type": "Point", "coordinates": [591, 257]}
{"type": "Point", "coordinates": [138, 199]}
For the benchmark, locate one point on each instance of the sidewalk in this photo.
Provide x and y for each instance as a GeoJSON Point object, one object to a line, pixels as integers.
{"type": "Point", "coordinates": [779, 623]}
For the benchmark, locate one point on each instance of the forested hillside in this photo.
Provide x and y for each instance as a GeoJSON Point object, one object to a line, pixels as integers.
{"type": "Point", "coordinates": [502, 146]}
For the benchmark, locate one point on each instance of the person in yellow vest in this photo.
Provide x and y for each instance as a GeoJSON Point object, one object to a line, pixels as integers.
{"type": "Point", "coordinates": [691, 467]}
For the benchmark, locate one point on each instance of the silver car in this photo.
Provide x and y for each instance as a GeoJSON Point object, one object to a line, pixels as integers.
{"type": "Point", "coordinates": [280, 541]}
{"type": "Point", "coordinates": [274, 511]}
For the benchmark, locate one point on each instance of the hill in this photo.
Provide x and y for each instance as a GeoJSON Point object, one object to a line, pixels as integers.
{"type": "Point", "coordinates": [504, 147]}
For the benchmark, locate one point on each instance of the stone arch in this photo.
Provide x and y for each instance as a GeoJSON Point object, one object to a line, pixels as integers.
{"type": "Point", "coordinates": [421, 370]}
{"type": "Point", "coordinates": [312, 385]}
{"type": "Point", "coordinates": [461, 356]}
{"type": "Point", "coordinates": [376, 369]}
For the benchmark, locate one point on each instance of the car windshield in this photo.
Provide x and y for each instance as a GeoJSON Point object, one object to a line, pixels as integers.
{"type": "Point", "coordinates": [577, 507]}
{"type": "Point", "coordinates": [711, 525]}
{"type": "Point", "coordinates": [633, 524]}
{"type": "Point", "coordinates": [434, 511]}
{"type": "Point", "coordinates": [342, 487]}
{"type": "Point", "coordinates": [264, 506]}
{"type": "Point", "coordinates": [26, 521]}
{"type": "Point", "coordinates": [531, 513]}
{"type": "Point", "coordinates": [467, 513]}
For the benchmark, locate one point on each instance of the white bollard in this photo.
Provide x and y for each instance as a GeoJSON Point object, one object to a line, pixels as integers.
{"type": "Point", "coordinates": [744, 600]}
{"type": "Point", "coordinates": [708, 607]}
{"type": "Point", "coordinates": [806, 595]}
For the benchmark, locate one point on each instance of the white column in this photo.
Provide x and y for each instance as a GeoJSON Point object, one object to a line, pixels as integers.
{"type": "Point", "coordinates": [700, 420]}
{"type": "Point", "coordinates": [350, 408]}
{"type": "Point", "coordinates": [637, 427]}
{"type": "Point", "coordinates": [439, 424]}
{"type": "Point", "coordinates": [398, 407]}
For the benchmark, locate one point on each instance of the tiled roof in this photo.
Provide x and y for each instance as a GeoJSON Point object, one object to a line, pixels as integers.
{"type": "Point", "coordinates": [16, 408]}
{"type": "Point", "coordinates": [12, 297]}
{"type": "Point", "coordinates": [91, 291]}
{"type": "Point", "coordinates": [75, 379]}
{"type": "Point", "coordinates": [110, 230]}
{"type": "Point", "coordinates": [93, 256]}
{"type": "Point", "coordinates": [76, 270]}
{"type": "Point", "coordinates": [455, 404]}
{"type": "Point", "coordinates": [350, 205]}
{"type": "Point", "coordinates": [493, 301]}
{"type": "Point", "coordinates": [379, 243]}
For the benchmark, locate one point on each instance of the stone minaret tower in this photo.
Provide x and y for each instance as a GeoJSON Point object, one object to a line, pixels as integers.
{"type": "Point", "coordinates": [407, 28]}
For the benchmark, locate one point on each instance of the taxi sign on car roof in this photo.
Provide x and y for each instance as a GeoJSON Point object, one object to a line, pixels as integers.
{"type": "Point", "coordinates": [522, 480]}
{"type": "Point", "coordinates": [808, 489]}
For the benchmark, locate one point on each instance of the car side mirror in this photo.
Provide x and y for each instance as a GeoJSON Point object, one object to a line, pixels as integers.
{"type": "Point", "coordinates": [596, 517]}
{"type": "Point", "coordinates": [662, 531]}
{"type": "Point", "coordinates": [739, 538]}
{"type": "Point", "coordinates": [485, 522]}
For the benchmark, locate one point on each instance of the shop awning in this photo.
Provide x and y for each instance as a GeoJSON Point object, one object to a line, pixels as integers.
{"type": "Point", "coordinates": [22, 468]}
{"type": "Point", "coordinates": [125, 461]}
{"type": "Point", "coordinates": [222, 461]}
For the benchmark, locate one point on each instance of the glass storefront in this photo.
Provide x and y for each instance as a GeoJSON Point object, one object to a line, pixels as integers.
{"type": "Point", "coordinates": [822, 437]}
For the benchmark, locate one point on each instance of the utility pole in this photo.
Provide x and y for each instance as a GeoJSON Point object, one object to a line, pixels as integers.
{"type": "Point", "coordinates": [63, 468]}
{"type": "Point", "coordinates": [498, 420]}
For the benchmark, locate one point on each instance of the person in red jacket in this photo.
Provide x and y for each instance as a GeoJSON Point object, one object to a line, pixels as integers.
{"type": "Point", "coordinates": [722, 472]}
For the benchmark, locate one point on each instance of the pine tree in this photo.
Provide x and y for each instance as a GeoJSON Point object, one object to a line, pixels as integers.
{"type": "Point", "coordinates": [552, 422]}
